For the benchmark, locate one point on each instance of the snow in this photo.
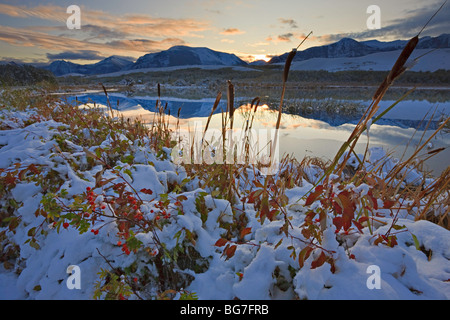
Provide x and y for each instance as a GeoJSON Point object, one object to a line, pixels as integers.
{"type": "Point", "coordinates": [174, 68]}
{"type": "Point", "coordinates": [379, 61]}
{"type": "Point", "coordinates": [261, 269]}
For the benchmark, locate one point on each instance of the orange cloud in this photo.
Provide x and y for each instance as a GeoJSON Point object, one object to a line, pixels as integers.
{"type": "Point", "coordinates": [52, 13]}
{"type": "Point", "coordinates": [30, 38]}
{"type": "Point", "coordinates": [129, 25]}
{"type": "Point", "coordinates": [232, 31]}
{"type": "Point", "coordinates": [131, 34]}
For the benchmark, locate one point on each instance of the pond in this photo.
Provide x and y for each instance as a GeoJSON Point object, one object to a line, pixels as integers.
{"type": "Point", "coordinates": [314, 128]}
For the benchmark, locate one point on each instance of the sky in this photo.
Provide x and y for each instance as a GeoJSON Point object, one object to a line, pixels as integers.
{"type": "Point", "coordinates": [37, 32]}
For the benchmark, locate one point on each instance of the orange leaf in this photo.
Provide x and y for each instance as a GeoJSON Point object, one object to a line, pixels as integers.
{"type": "Point", "coordinates": [378, 240]}
{"type": "Point", "coordinates": [221, 242]}
{"type": "Point", "coordinates": [313, 196]}
{"type": "Point", "coordinates": [230, 251]}
{"type": "Point", "coordinates": [245, 232]}
{"type": "Point", "coordinates": [319, 261]}
{"type": "Point", "coordinates": [265, 210]}
{"type": "Point", "coordinates": [303, 255]}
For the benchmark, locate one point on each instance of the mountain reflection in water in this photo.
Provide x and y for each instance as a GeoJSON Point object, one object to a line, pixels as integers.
{"type": "Point", "coordinates": [300, 136]}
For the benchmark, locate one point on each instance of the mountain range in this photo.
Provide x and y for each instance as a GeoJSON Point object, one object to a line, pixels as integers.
{"type": "Point", "coordinates": [348, 47]}
{"type": "Point", "coordinates": [201, 56]}
{"type": "Point", "coordinates": [108, 65]}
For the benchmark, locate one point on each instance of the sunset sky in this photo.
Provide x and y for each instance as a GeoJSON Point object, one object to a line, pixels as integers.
{"type": "Point", "coordinates": [36, 31]}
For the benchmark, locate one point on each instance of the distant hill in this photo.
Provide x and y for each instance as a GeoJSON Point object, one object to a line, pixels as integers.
{"type": "Point", "coordinates": [13, 74]}
{"type": "Point", "coordinates": [108, 65]}
{"type": "Point", "coordinates": [347, 47]}
{"type": "Point", "coordinates": [183, 55]}
{"type": "Point", "coordinates": [343, 48]}
{"type": "Point", "coordinates": [378, 61]}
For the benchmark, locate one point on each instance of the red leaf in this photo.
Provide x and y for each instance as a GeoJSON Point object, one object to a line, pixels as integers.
{"type": "Point", "coordinates": [363, 219]}
{"type": "Point", "coordinates": [221, 242]}
{"type": "Point", "coordinates": [230, 251]}
{"type": "Point", "coordinates": [392, 241]}
{"type": "Point", "coordinates": [309, 217]}
{"type": "Point", "coordinates": [313, 196]}
{"type": "Point", "coordinates": [319, 261]}
{"type": "Point", "coordinates": [378, 240]}
{"type": "Point", "coordinates": [347, 221]}
{"type": "Point", "coordinates": [387, 204]}
{"type": "Point", "coordinates": [338, 222]}
{"type": "Point", "coordinates": [254, 195]}
{"type": "Point", "coordinates": [348, 206]}
{"type": "Point", "coordinates": [272, 214]}
{"type": "Point", "coordinates": [245, 232]}
{"type": "Point", "coordinates": [147, 191]}
{"type": "Point", "coordinates": [358, 225]}
{"type": "Point", "coordinates": [373, 200]}
{"type": "Point", "coordinates": [343, 205]}
{"type": "Point", "coordinates": [337, 207]}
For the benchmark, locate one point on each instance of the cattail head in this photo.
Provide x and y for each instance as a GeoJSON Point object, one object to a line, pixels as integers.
{"type": "Point", "coordinates": [290, 57]}
{"type": "Point", "coordinates": [398, 68]}
{"type": "Point", "coordinates": [230, 99]}
{"type": "Point", "coordinates": [214, 108]}
{"type": "Point", "coordinates": [255, 102]}
{"type": "Point", "coordinates": [287, 65]}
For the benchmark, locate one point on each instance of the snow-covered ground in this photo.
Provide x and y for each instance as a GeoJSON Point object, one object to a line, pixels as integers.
{"type": "Point", "coordinates": [174, 68]}
{"type": "Point", "coordinates": [380, 61]}
{"type": "Point", "coordinates": [262, 267]}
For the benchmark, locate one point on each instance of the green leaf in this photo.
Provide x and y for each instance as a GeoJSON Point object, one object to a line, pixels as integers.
{"type": "Point", "coordinates": [128, 172]}
{"type": "Point", "coordinates": [34, 244]}
{"type": "Point", "coordinates": [128, 159]}
{"type": "Point", "coordinates": [32, 232]}
{"type": "Point", "coordinates": [416, 242]}
{"type": "Point", "coordinates": [279, 243]}
{"type": "Point", "coordinates": [397, 227]}
{"type": "Point", "coordinates": [63, 193]}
